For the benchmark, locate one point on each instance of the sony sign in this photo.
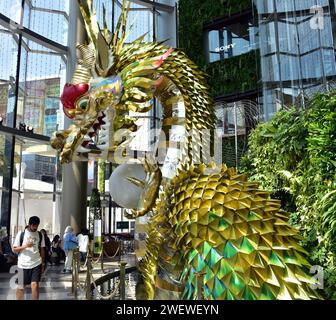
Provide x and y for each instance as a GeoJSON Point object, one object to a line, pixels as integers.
{"type": "Point", "coordinates": [225, 48]}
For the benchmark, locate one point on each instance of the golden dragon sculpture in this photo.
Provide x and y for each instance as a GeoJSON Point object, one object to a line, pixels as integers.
{"type": "Point", "coordinates": [211, 231]}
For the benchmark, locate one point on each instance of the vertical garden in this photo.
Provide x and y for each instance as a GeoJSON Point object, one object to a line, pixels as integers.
{"type": "Point", "coordinates": [234, 75]}
{"type": "Point", "coordinates": [294, 157]}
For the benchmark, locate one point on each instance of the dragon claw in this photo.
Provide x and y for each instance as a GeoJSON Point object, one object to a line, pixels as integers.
{"type": "Point", "coordinates": [150, 187]}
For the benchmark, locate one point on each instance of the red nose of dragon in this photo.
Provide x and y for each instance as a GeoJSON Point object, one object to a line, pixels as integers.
{"type": "Point", "coordinates": [71, 93]}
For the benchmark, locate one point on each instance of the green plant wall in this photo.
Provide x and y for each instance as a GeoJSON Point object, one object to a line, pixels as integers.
{"type": "Point", "coordinates": [234, 75]}
{"type": "Point", "coordinates": [294, 157]}
{"type": "Point", "coordinates": [237, 74]}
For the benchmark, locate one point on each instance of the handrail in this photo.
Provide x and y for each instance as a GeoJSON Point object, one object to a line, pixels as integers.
{"type": "Point", "coordinates": [111, 275]}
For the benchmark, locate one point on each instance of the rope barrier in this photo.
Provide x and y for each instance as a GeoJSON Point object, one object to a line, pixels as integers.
{"type": "Point", "coordinates": [101, 255]}
{"type": "Point", "coordinates": [86, 285]}
{"type": "Point", "coordinates": [98, 259]}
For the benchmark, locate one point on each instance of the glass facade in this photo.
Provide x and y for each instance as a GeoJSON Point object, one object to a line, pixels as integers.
{"type": "Point", "coordinates": [295, 42]}
{"type": "Point", "coordinates": [235, 120]}
{"type": "Point", "coordinates": [8, 70]}
{"type": "Point", "coordinates": [34, 185]}
{"type": "Point", "coordinates": [34, 55]}
{"type": "Point", "coordinates": [297, 50]}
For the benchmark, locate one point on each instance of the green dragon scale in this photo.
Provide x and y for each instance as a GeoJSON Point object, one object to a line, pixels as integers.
{"type": "Point", "coordinates": [211, 234]}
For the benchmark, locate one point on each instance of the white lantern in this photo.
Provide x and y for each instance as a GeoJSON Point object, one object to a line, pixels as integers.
{"type": "Point", "coordinates": [122, 191]}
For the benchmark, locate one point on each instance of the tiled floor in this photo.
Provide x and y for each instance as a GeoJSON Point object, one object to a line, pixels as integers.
{"type": "Point", "coordinates": [56, 285]}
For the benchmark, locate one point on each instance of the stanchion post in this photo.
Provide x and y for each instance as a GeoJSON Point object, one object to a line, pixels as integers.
{"type": "Point", "coordinates": [78, 262]}
{"type": "Point", "coordinates": [120, 250]}
{"type": "Point", "coordinates": [75, 271]}
{"type": "Point", "coordinates": [122, 287]}
{"type": "Point", "coordinates": [102, 258]}
{"type": "Point", "coordinates": [88, 294]}
{"type": "Point", "coordinates": [73, 276]}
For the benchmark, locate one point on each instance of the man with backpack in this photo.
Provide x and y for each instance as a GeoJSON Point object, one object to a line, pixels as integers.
{"type": "Point", "coordinates": [30, 244]}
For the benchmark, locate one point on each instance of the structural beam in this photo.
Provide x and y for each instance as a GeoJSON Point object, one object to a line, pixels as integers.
{"type": "Point", "coordinates": [31, 35]}
{"type": "Point", "coordinates": [155, 5]}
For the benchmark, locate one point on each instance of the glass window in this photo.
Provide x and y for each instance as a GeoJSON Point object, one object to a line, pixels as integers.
{"type": "Point", "coordinates": [46, 23]}
{"type": "Point", "coordinates": [231, 117]}
{"type": "Point", "coordinates": [5, 150]}
{"type": "Point", "coordinates": [142, 15]}
{"type": "Point", "coordinates": [231, 40]}
{"type": "Point", "coordinates": [60, 5]}
{"type": "Point", "coordinates": [234, 122]}
{"type": "Point", "coordinates": [34, 184]}
{"type": "Point", "coordinates": [11, 9]}
{"type": "Point", "coordinates": [294, 55]}
{"type": "Point", "coordinates": [41, 80]}
{"type": "Point", "coordinates": [8, 53]}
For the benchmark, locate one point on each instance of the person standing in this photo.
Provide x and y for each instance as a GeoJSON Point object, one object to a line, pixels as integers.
{"type": "Point", "coordinates": [57, 253]}
{"type": "Point", "coordinates": [29, 245]}
{"type": "Point", "coordinates": [70, 244]}
{"type": "Point", "coordinates": [83, 243]}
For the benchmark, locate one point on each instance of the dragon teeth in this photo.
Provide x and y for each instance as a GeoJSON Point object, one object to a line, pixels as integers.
{"type": "Point", "coordinates": [91, 130]}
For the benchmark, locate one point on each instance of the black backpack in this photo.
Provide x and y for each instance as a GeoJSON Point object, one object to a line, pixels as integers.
{"type": "Point", "coordinates": [22, 236]}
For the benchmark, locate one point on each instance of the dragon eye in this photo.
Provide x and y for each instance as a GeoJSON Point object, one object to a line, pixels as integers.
{"type": "Point", "coordinates": [83, 104]}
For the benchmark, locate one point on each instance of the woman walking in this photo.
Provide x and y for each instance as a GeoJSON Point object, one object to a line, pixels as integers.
{"type": "Point", "coordinates": [70, 244]}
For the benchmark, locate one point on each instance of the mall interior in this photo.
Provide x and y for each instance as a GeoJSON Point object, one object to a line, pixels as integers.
{"type": "Point", "coordinates": [271, 68]}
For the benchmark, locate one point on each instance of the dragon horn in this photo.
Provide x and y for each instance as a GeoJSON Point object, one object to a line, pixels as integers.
{"type": "Point", "coordinates": [106, 35]}
{"type": "Point", "coordinates": [90, 21]}
{"type": "Point", "coordinates": [139, 183]}
{"type": "Point", "coordinates": [123, 30]}
{"type": "Point", "coordinates": [116, 33]}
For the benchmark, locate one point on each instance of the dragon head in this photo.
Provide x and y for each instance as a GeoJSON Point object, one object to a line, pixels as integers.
{"type": "Point", "coordinates": [91, 106]}
{"type": "Point", "coordinates": [111, 79]}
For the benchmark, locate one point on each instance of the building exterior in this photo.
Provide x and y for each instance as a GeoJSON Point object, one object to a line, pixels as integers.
{"type": "Point", "coordinates": [261, 56]}
{"type": "Point", "coordinates": [297, 50]}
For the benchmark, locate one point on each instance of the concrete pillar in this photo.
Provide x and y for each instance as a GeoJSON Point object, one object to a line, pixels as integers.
{"type": "Point", "coordinates": [166, 25]}
{"type": "Point", "coordinates": [74, 191]}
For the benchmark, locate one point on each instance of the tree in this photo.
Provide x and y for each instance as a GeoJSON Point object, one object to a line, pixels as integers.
{"type": "Point", "coordinates": [95, 210]}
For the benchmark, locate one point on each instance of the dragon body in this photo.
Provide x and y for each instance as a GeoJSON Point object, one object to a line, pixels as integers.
{"type": "Point", "coordinates": [212, 234]}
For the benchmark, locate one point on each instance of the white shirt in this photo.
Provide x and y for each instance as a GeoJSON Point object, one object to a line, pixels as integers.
{"type": "Point", "coordinates": [83, 242]}
{"type": "Point", "coordinates": [29, 258]}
